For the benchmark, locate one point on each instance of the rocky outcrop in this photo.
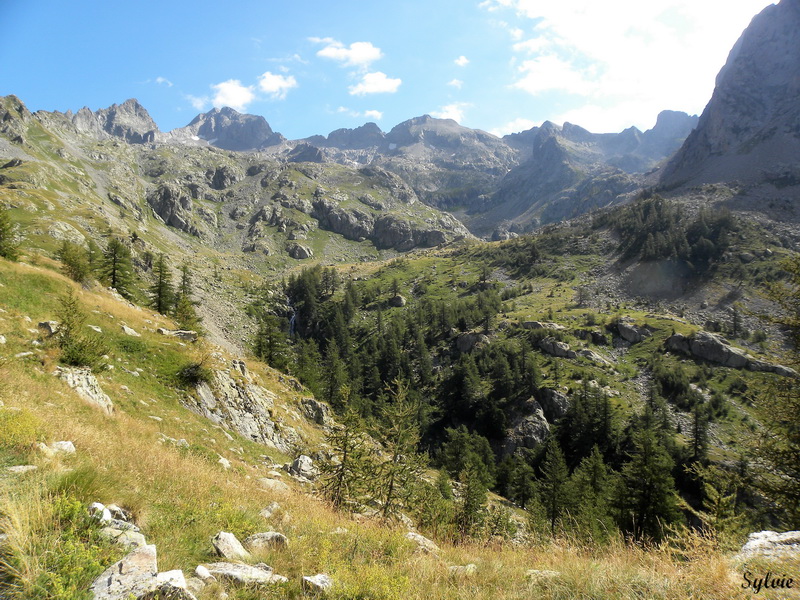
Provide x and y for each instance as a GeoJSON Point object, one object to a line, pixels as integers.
{"type": "Point", "coordinates": [245, 575]}
{"type": "Point", "coordinates": [554, 404]}
{"type": "Point", "coordinates": [268, 540]}
{"type": "Point", "coordinates": [316, 411]}
{"type": "Point", "coordinates": [228, 129]}
{"type": "Point", "coordinates": [299, 252]}
{"type": "Point", "coordinates": [468, 341]}
{"type": "Point", "coordinates": [715, 349]}
{"type": "Point", "coordinates": [83, 381]}
{"type": "Point", "coordinates": [174, 206]}
{"type": "Point", "coordinates": [631, 332]}
{"type": "Point", "coordinates": [222, 177]}
{"type": "Point", "coordinates": [129, 121]}
{"type": "Point", "coordinates": [771, 545]}
{"type": "Point", "coordinates": [303, 468]}
{"type": "Point", "coordinates": [529, 429]}
{"type": "Point", "coordinates": [552, 346]}
{"type": "Point", "coordinates": [244, 407]}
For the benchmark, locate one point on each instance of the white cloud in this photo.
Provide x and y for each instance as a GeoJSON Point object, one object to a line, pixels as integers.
{"type": "Point", "coordinates": [277, 86]}
{"type": "Point", "coordinates": [456, 83]}
{"type": "Point", "coordinates": [548, 73]}
{"type": "Point", "coordinates": [197, 103]}
{"type": "Point", "coordinates": [373, 114]}
{"type": "Point", "coordinates": [375, 83]}
{"type": "Point", "coordinates": [651, 55]}
{"type": "Point", "coordinates": [163, 81]}
{"type": "Point", "coordinates": [453, 111]}
{"type": "Point", "coordinates": [514, 126]}
{"type": "Point", "coordinates": [232, 93]}
{"type": "Point", "coordinates": [369, 114]}
{"type": "Point", "coordinates": [462, 61]}
{"type": "Point", "coordinates": [357, 54]}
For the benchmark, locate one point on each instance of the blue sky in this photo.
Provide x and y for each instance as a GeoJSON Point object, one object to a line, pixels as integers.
{"type": "Point", "coordinates": [315, 66]}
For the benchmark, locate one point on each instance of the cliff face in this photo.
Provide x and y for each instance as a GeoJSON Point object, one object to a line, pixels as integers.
{"type": "Point", "coordinates": [750, 130]}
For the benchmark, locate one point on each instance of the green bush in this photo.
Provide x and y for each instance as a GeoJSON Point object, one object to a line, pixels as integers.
{"type": "Point", "coordinates": [18, 428]}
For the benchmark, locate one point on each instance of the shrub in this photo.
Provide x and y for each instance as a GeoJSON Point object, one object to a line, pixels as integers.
{"type": "Point", "coordinates": [194, 373]}
{"type": "Point", "coordinates": [18, 428]}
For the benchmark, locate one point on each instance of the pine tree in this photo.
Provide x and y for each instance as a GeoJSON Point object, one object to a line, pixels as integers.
{"type": "Point", "coordinates": [185, 313]}
{"type": "Point", "coordinates": [778, 445]}
{"type": "Point", "coordinates": [345, 478]}
{"type": "Point", "coordinates": [648, 502]}
{"type": "Point", "coordinates": [470, 510]}
{"type": "Point", "coordinates": [161, 292]}
{"type": "Point", "coordinates": [399, 435]}
{"type": "Point", "coordinates": [553, 483]}
{"type": "Point", "coordinates": [591, 486]}
{"type": "Point", "coordinates": [334, 376]}
{"type": "Point", "coordinates": [8, 239]}
{"type": "Point", "coordinates": [74, 261]}
{"type": "Point", "coordinates": [271, 344]}
{"type": "Point", "coordinates": [78, 348]}
{"type": "Point", "coordinates": [117, 269]}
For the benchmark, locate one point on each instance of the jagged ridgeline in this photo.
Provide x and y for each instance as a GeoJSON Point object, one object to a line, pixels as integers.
{"type": "Point", "coordinates": [303, 350]}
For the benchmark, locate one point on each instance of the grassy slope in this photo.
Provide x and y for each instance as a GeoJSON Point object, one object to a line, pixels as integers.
{"type": "Point", "coordinates": [182, 498]}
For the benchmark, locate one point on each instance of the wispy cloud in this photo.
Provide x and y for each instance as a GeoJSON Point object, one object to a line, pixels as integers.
{"type": "Point", "coordinates": [513, 126]}
{"type": "Point", "coordinates": [369, 114]}
{"type": "Point", "coordinates": [232, 93]}
{"type": "Point", "coordinates": [375, 83]}
{"type": "Point", "coordinates": [456, 83]}
{"type": "Point", "coordinates": [357, 54]}
{"type": "Point", "coordinates": [277, 86]}
{"type": "Point", "coordinates": [462, 61]}
{"type": "Point", "coordinates": [198, 103]}
{"type": "Point", "coordinates": [163, 81]}
{"type": "Point", "coordinates": [453, 111]}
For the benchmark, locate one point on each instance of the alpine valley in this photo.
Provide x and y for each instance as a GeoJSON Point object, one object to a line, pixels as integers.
{"type": "Point", "coordinates": [423, 363]}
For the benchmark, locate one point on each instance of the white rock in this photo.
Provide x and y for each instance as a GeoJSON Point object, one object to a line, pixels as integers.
{"type": "Point", "coordinates": [65, 447]}
{"type": "Point", "coordinates": [273, 485]}
{"type": "Point", "coordinates": [270, 510]}
{"type": "Point", "coordinates": [244, 574]}
{"type": "Point", "coordinates": [19, 469]}
{"type": "Point", "coordinates": [770, 545]}
{"type": "Point", "coordinates": [226, 464]}
{"type": "Point", "coordinates": [2, 339]}
{"type": "Point", "coordinates": [317, 583]}
{"type": "Point", "coordinates": [128, 538]}
{"type": "Point", "coordinates": [203, 573]}
{"type": "Point", "coordinates": [174, 578]}
{"type": "Point", "coordinates": [128, 331]}
{"type": "Point", "coordinates": [269, 540]}
{"type": "Point", "coordinates": [95, 328]}
{"type": "Point", "coordinates": [83, 381]}
{"type": "Point", "coordinates": [134, 575]}
{"type": "Point", "coordinates": [423, 544]}
{"type": "Point", "coordinates": [463, 570]}
{"type": "Point", "coordinates": [229, 547]}
{"type": "Point", "coordinates": [100, 512]}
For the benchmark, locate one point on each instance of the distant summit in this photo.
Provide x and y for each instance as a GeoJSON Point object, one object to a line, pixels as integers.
{"type": "Point", "coordinates": [750, 130]}
{"type": "Point", "coordinates": [129, 121]}
{"type": "Point", "coordinates": [228, 129]}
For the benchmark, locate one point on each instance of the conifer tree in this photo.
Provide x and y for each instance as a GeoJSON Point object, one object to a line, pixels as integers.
{"type": "Point", "coordinates": [553, 483]}
{"type": "Point", "coordinates": [74, 261]}
{"type": "Point", "coordinates": [399, 435]}
{"type": "Point", "coordinates": [8, 239]}
{"type": "Point", "coordinates": [161, 292]}
{"type": "Point", "coordinates": [334, 376]}
{"type": "Point", "coordinates": [345, 478]}
{"type": "Point", "coordinates": [78, 348]}
{"type": "Point", "coordinates": [117, 269]}
{"type": "Point", "coordinates": [591, 487]}
{"type": "Point", "coordinates": [185, 313]}
{"type": "Point", "coordinates": [469, 513]}
{"type": "Point", "coordinates": [271, 344]}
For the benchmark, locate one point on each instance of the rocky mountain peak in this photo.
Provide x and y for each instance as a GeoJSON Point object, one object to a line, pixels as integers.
{"type": "Point", "coordinates": [750, 130]}
{"type": "Point", "coordinates": [229, 129]}
{"type": "Point", "coordinates": [129, 121]}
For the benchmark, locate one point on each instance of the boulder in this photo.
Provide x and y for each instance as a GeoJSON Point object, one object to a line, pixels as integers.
{"type": "Point", "coordinates": [49, 327]}
{"type": "Point", "coordinates": [630, 332]}
{"type": "Point", "coordinates": [269, 540]}
{"type": "Point", "coordinates": [131, 332]}
{"type": "Point", "coordinates": [317, 583]}
{"type": "Point", "coordinates": [83, 381]}
{"type": "Point", "coordinates": [715, 349]}
{"type": "Point", "coordinates": [21, 469]}
{"type": "Point", "coordinates": [554, 404]}
{"type": "Point", "coordinates": [528, 430]}
{"type": "Point", "coordinates": [244, 574]}
{"type": "Point", "coordinates": [127, 537]}
{"type": "Point", "coordinates": [186, 335]}
{"type": "Point", "coordinates": [227, 546]}
{"type": "Point", "coordinates": [468, 341]}
{"type": "Point", "coordinates": [542, 325]}
{"type": "Point", "coordinates": [54, 448]}
{"type": "Point", "coordinates": [398, 301]}
{"type": "Point", "coordinates": [771, 545]}
{"type": "Point", "coordinates": [316, 411]}
{"type": "Point", "coordinates": [303, 466]}
{"type": "Point", "coordinates": [593, 356]}
{"type": "Point", "coordinates": [136, 577]}
{"type": "Point", "coordinates": [274, 485]}
{"type": "Point", "coordinates": [299, 252]}
{"type": "Point", "coordinates": [552, 346]}
{"type": "Point", "coordinates": [424, 545]}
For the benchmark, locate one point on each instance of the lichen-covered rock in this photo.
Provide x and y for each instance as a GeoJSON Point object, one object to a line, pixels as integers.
{"type": "Point", "coordinates": [527, 430]}
{"type": "Point", "coordinates": [423, 544]}
{"type": "Point", "coordinates": [317, 583]}
{"type": "Point", "coordinates": [303, 466]}
{"type": "Point", "coordinates": [554, 347]}
{"type": "Point", "coordinates": [715, 349]}
{"type": "Point", "coordinates": [630, 332]}
{"type": "Point", "coordinates": [83, 381]}
{"type": "Point", "coordinates": [316, 411]}
{"type": "Point", "coordinates": [244, 574]}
